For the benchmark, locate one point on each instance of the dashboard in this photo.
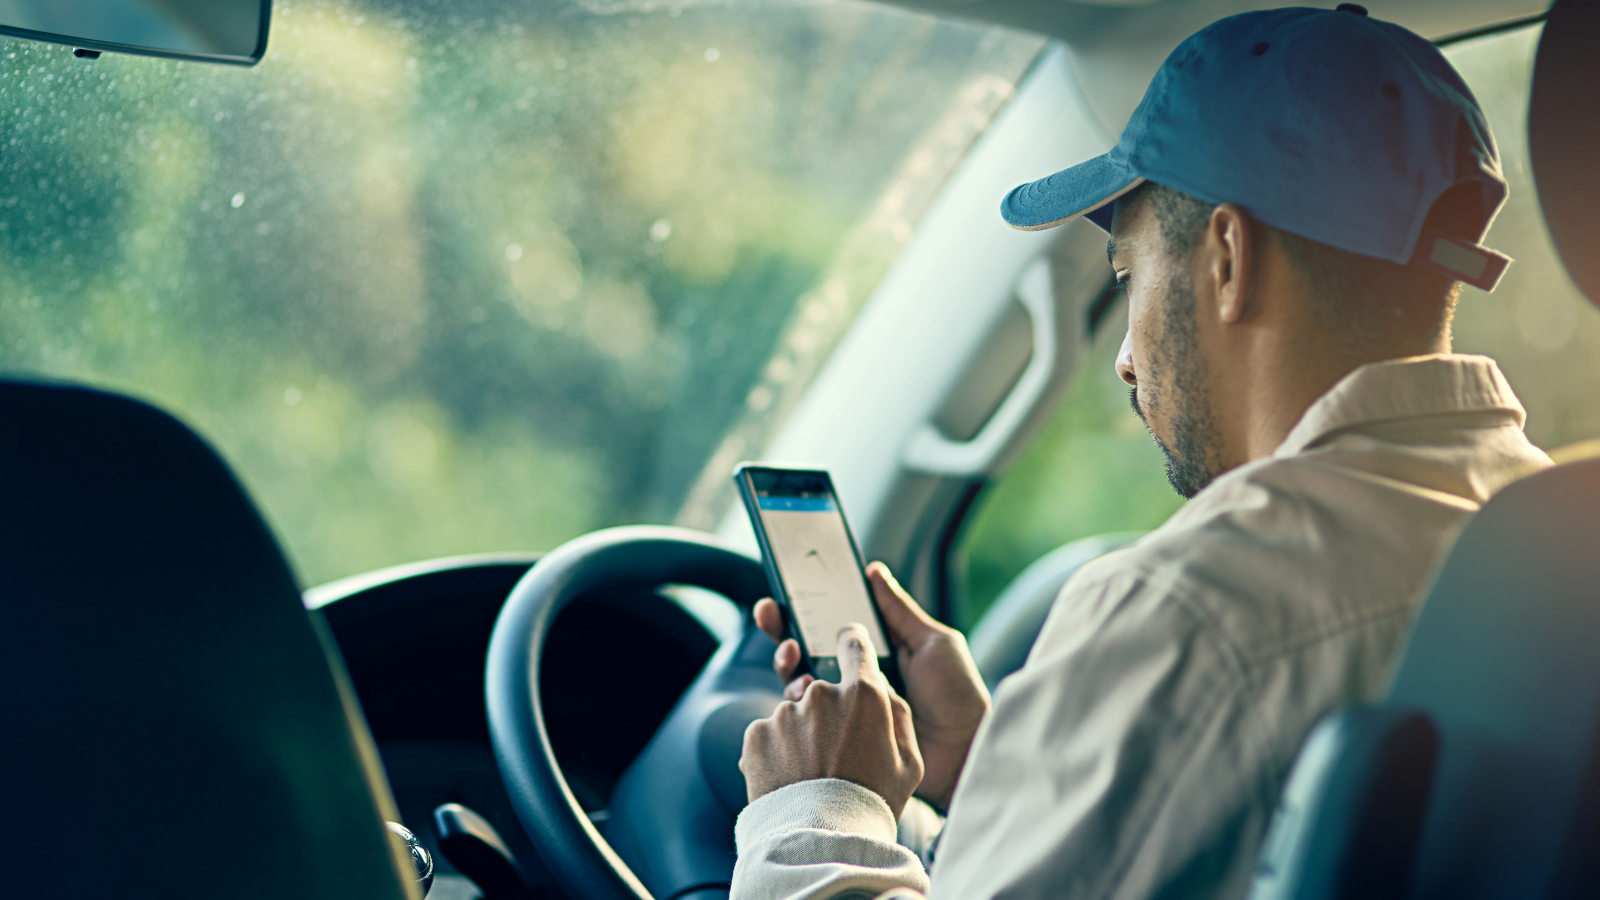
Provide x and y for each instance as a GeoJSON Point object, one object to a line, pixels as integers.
{"type": "Point", "coordinates": [414, 641]}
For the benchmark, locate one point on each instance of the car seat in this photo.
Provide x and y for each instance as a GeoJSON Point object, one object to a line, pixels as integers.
{"type": "Point", "coordinates": [177, 724]}
{"type": "Point", "coordinates": [1479, 775]}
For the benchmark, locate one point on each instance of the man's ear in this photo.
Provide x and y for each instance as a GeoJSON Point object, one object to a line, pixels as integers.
{"type": "Point", "coordinates": [1231, 242]}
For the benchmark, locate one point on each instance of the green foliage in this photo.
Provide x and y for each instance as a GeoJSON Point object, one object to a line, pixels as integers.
{"type": "Point", "coordinates": [1536, 324]}
{"type": "Point", "coordinates": [444, 278]}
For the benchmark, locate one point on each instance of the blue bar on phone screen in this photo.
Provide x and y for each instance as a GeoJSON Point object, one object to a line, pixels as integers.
{"type": "Point", "coordinates": [797, 504]}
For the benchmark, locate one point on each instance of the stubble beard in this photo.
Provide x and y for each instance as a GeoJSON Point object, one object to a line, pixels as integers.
{"type": "Point", "coordinates": [1177, 367]}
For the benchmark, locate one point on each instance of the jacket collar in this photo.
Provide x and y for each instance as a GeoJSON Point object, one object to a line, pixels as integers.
{"type": "Point", "coordinates": [1441, 384]}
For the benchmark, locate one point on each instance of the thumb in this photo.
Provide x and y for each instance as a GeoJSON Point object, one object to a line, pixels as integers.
{"type": "Point", "coordinates": [901, 613]}
{"type": "Point", "coordinates": [858, 658]}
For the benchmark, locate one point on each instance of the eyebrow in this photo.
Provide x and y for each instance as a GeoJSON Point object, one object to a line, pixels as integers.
{"type": "Point", "coordinates": [1111, 250]}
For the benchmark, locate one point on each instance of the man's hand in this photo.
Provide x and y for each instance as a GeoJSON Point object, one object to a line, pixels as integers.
{"type": "Point", "coordinates": [858, 730]}
{"type": "Point", "coordinates": [945, 691]}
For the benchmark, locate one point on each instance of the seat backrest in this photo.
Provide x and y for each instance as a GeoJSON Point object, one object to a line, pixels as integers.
{"type": "Point", "coordinates": [174, 722]}
{"type": "Point", "coordinates": [1505, 659]}
{"type": "Point", "coordinates": [1564, 138]}
{"type": "Point", "coordinates": [1479, 775]}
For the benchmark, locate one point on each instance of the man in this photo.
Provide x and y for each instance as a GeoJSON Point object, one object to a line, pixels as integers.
{"type": "Point", "coordinates": [1292, 207]}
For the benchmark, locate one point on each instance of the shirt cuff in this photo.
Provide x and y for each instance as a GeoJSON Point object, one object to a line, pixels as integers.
{"type": "Point", "coordinates": [831, 804]}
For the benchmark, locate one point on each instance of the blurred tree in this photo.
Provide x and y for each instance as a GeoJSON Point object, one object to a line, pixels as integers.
{"type": "Point", "coordinates": [451, 277]}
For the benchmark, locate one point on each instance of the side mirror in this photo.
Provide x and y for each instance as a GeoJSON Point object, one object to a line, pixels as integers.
{"type": "Point", "coordinates": [224, 31]}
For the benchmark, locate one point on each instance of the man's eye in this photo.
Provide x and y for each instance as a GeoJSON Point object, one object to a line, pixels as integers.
{"type": "Point", "coordinates": [1121, 284]}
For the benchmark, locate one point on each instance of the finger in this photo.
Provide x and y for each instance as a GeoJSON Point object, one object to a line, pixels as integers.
{"type": "Point", "coordinates": [769, 618]}
{"type": "Point", "coordinates": [796, 689]}
{"type": "Point", "coordinates": [904, 617]}
{"type": "Point", "coordinates": [817, 693]}
{"type": "Point", "coordinates": [858, 658]}
{"type": "Point", "coordinates": [786, 659]}
{"type": "Point", "coordinates": [889, 688]}
{"type": "Point", "coordinates": [756, 738]}
{"type": "Point", "coordinates": [905, 732]}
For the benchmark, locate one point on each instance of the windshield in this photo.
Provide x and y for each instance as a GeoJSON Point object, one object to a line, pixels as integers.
{"type": "Point", "coordinates": [445, 278]}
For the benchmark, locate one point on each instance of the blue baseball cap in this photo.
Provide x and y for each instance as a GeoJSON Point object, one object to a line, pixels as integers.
{"type": "Point", "coordinates": [1327, 124]}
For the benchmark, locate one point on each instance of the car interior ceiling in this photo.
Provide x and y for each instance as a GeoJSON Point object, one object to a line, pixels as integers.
{"type": "Point", "coordinates": [124, 528]}
{"type": "Point", "coordinates": [1120, 45]}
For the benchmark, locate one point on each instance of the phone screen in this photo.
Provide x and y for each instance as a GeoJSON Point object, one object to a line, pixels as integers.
{"type": "Point", "coordinates": [816, 560]}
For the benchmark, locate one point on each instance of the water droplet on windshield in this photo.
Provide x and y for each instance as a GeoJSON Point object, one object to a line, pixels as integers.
{"type": "Point", "coordinates": [713, 54]}
{"type": "Point", "coordinates": [513, 252]}
{"type": "Point", "coordinates": [661, 230]}
{"type": "Point", "coordinates": [238, 200]}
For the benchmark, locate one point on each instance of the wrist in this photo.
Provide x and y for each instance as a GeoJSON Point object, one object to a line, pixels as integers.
{"type": "Point", "coordinates": [940, 788]}
{"type": "Point", "coordinates": [939, 796]}
{"type": "Point", "coordinates": [940, 805]}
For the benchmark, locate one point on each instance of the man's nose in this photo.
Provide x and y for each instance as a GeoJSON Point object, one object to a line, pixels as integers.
{"type": "Point", "coordinates": [1125, 361]}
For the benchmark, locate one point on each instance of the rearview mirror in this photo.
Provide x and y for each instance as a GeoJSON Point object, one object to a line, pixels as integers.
{"type": "Point", "coordinates": [225, 31]}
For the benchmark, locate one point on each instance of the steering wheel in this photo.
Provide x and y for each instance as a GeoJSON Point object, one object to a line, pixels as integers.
{"type": "Point", "coordinates": [670, 831]}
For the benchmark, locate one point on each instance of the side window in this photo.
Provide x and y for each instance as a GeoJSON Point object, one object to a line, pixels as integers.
{"type": "Point", "coordinates": [1095, 470]}
{"type": "Point", "coordinates": [1537, 324]}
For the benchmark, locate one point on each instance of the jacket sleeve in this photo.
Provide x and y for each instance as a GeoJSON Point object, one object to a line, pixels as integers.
{"type": "Point", "coordinates": [1115, 764]}
{"type": "Point", "coordinates": [821, 840]}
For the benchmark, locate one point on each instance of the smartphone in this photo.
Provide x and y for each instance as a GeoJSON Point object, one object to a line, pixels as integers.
{"type": "Point", "coordinates": [813, 564]}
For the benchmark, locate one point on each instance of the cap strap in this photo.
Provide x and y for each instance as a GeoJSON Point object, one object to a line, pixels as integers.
{"type": "Point", "coordinates": [1459, 259]}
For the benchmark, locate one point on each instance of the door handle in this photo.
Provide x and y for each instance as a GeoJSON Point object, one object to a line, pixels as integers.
{"type": "Point", "coordinates": [927, 449]}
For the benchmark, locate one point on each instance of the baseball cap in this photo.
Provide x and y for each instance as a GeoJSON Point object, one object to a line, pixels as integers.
{"type": "Point", "coordinates": [1327, 124]}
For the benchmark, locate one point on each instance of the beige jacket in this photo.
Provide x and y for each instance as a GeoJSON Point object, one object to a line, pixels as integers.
{"type": "Point", "coordinates": [1140, 751]}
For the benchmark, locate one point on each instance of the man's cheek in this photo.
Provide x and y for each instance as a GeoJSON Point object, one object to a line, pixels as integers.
{"type": "Point", "coordinates": [1152, 403]}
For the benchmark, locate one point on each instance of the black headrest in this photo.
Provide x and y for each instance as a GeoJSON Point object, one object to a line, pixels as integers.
{"type": "Point", "coordinates": [1564, 137]}
{"type": "Point", "coordinates": [174, 724]}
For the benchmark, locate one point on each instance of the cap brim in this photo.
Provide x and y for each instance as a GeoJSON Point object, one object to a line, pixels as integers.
{"type": "Point", "coordinates": [1086, 189]}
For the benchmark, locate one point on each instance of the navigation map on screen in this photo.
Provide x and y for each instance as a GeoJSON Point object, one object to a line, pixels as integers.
{"type": "Point", "coordinates": [813, 553]}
